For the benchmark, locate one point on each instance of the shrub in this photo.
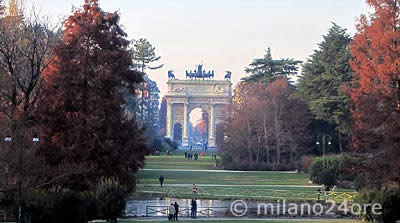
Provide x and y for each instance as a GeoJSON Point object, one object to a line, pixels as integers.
{"type": "Point", "coordinates": [389, 198]}
{"type": "Point", "coordinates": [326, 170]}
{"type": "Point", "coordinates": [40, 206]}
{"type": "Point", "coordinates": [305, 163]}
{"type": "Point", "coordinates": [70, 207]}
{"type": "Point", "coordinates": [111, 199]}
{"type": "Point", "coordinates": [48, 207]}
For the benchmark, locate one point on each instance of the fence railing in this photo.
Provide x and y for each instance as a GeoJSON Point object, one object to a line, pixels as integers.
{"type": "Point", "coordinates": [132, 212]}
{"type": "Point", "coordinates": [185, 211]}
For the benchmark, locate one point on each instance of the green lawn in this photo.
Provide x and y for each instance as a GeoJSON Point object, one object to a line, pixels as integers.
{"type": "Point", "coordinates": [246, 193]}
{"type": "Point", "coordinates": [179, 162]}
{"type": "Point", "coordinates": [257, 185]}
{"type": "Point", "coordinates": [238, 178]}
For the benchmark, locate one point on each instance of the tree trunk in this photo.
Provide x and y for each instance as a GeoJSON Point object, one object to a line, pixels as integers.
{"type": "Point", "coordinates": [340, 142]}
{"type": "Point", "coordinates": [266, 140]}
{"type": "Point", "coordinates": [277, 135]}
{"type": "Point", "coordinates": [249, 141]}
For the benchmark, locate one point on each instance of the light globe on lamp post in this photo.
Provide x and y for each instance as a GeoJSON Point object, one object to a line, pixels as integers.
{"type": "Point", "coordinates": [8, 139]}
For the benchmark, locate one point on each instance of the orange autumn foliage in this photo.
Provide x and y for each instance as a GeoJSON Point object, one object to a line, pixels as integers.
{"type": "Point", "coordinates": [376, 64]}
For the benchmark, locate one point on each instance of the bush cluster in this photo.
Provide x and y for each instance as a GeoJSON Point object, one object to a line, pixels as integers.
{"type": "Point", "coordinates": [389, 198]}
{"type": "Point", "coordinates": [106, 202]}
{"type": "Point", "coordinates": [327, 170]}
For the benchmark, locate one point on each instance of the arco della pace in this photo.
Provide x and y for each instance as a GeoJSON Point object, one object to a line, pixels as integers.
{"type": "Point", "coordinates": [198, 90]}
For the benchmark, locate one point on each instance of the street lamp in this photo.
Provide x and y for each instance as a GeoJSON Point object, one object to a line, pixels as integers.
{"type": "Point", "coordinates": [326, 139]}
{"type": "Point", "coordinates": [35, 139]}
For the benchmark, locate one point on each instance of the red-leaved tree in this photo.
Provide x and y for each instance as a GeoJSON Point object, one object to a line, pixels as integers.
{"type": "Point", "coordinates": [376, 63]}
{"type": "Point", "coordinates": [85, 134]}
{"type": "Point", "coordinates": [268, 129]}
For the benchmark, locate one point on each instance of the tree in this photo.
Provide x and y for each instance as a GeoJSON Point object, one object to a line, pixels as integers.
{"type": "Point", "coordinates": [268, 128]}
{"type": "Point", "coordinates": [2, 8]}
{"type": "Point", "coordinates": [143, 54]}
{"type": "Point", "coordinates": [375, 61]}
{"type": "Point", "coordinates": [322, 80]}
{"type": "Point", "coordinates": [25, 51]}
{"type": "Point", "coordinates": [162, 121]}
{"type": "Point", "coordinates": [80, 111]}
{"type": "Point", "coordinates": [267, 69]}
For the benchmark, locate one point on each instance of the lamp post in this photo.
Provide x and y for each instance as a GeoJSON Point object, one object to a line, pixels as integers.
{"type": "Point", "coordinates": [325, 139]}
{"type": "Point", "coordinates": [35, 139]}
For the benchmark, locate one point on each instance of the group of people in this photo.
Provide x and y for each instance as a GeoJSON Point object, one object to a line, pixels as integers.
{"type": "Point", "coordinates": [173, 210]}
{"type": "Point", "coordinates": [191, 156]}
{"type": "Point", "coordinates": [213, 156]}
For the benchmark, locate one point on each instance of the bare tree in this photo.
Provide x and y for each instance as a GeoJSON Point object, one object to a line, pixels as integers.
{"type": "Point", "coordinates": [25, 47]}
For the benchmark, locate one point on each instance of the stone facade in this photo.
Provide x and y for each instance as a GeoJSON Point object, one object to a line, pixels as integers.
{"type": "Point", "coordinates": [183, 96]}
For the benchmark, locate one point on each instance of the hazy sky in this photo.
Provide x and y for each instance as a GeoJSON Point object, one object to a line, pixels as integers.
{"type": "Point", "coordinates": [223, 34]}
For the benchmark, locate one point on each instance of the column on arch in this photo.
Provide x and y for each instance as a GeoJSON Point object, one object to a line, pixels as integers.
{"type": "Point", "coordinates": [211, 128]}
{"type": "Point", "coordinates": [185, 124]}
{"type": "Point", "coordinates": [169, 120]}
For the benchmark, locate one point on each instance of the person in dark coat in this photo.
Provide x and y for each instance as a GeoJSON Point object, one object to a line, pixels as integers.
{"type": "Point", "coordinates": [176, 205]}
{"type": "Point", "coordinates": [193, 213]}
{"type": "Point", "coordinates": [161, 179]}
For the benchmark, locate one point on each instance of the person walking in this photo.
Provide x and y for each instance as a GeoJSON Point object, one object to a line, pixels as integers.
{"type": "Point", "coordinates": [171, 212]}
{"type": "Point", "coordinates": [161, 179]}
{"type": "Point", "coordinates": [193, 213]}
{"type": "Point", "coordinates": [176, 205]}
{"type": "Point", "coordinates": [194, 190]}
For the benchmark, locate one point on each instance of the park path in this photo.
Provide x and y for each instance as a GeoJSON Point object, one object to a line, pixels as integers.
{"type": "Point", "coordinates": [218, 171]}
{"type": "Point", "coordinates": [151, 219]}
{"type": "Point", "coordinates": [227, 185]}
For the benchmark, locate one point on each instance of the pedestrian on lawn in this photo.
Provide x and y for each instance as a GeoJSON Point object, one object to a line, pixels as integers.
{"type": "Point", "coordinates": [161, 179]}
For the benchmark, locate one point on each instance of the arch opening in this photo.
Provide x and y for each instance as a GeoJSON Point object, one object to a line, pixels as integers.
{"type": "Point", "coordinates": [178, 133]}
{"type": "Point", "coordinates": [198, 127]}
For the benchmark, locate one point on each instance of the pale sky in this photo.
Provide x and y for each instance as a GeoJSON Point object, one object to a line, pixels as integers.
{"type": "Point", "coordinates": [222, 34]}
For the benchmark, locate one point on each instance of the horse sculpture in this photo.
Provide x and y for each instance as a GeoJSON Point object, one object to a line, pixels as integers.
{"type": "Point", "coordinates": [199, 73]}
{"type": "Point", "coordinates": [171, 74]}
{"type": "Point", "coordinates": [228, 75]}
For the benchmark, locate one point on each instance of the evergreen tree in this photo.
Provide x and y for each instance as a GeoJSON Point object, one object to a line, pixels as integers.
{"type": "Point", "coordinates": [267, 69]}
{"type": "Point", "coordinates": [81, 107]}
{"type": "Point", "coordinates": [323, 77]}
{"type": "Point", "coordinates": [143, 54]}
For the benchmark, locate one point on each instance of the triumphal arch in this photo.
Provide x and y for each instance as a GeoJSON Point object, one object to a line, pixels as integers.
{"type": "Point", "coordinates": [198, 90]}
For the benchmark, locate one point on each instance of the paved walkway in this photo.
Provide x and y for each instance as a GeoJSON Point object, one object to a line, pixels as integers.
{"type": "Point", "coordinates": [224, 185]}
{"type": "Point", "coordinates": [218, 171]}
{"type": "Point", "coordinates": [247, 219]}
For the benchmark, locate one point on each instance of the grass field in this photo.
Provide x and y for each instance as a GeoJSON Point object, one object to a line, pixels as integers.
{"type": "Point", "coordinates": [161, 163]}
{"type": "Point", "coordinates": [256, 185]}
{"type": "Point", "coordinates": [239, 178]}
{"type": "Point", "coordinates": [178, 162]}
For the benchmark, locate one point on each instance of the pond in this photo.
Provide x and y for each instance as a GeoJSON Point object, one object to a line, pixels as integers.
{"type": "Point", "coordinates": [158, 206]}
